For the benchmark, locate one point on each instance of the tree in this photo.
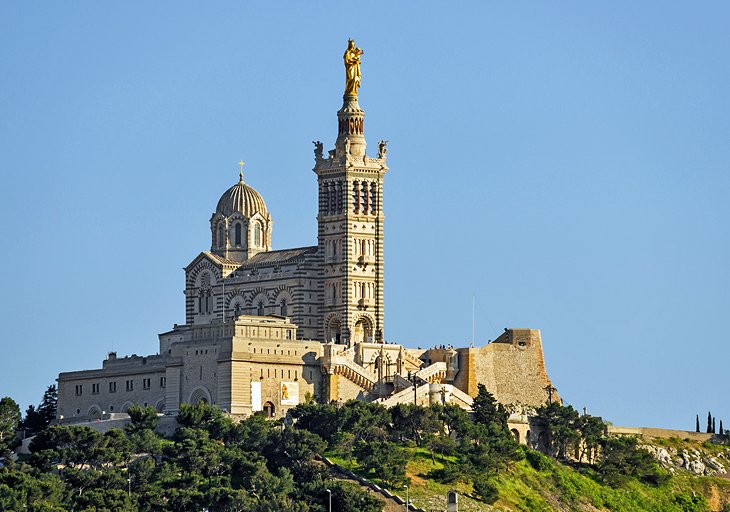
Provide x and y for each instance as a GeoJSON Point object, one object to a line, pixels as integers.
{"type": "Point", "coordinates": [33, 421]}
{"type": "Point", "coordinates": [413, 421]}
{"type": "Point", "coordinates": [713, 425]}
{"type": "Point", "coordinates": [487, 409]}
{"type": "Point", "coordinates": [384, 459]}
{"type": "Point", "coordinates": [697, 428]}
{"type": "Point", "coordinates": [621, 458]}
{"type": "Point", "coordinates": [321, 419]}
{"type": "Point", "coordinates": [37, 419]}
{"type": "Point", "coordinates": [485, 489]}
{"type": "Point", "coordinates": [47, 407]}
{"type": "Point", "coordinates": [142, 418]}
{"type": "Point", "coordinates": [709, 423]}
{"type": "Point", "coordinates": [722, 431]}
{"type": "Point", "coordinates": [9, 421]}
{"type": "Point", "coordinates": [561, 426]}
{"type": "Point", "coordinates": [593, 431]}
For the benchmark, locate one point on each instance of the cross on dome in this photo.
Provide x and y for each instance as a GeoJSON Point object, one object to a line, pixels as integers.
{"type": "Point", "coordinates": [240, 172]}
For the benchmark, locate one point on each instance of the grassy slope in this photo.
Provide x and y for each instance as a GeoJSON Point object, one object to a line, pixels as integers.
{"type": "Point", "coordinates": [561, 488]}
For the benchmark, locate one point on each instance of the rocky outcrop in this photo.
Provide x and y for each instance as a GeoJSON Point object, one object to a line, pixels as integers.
{"type": "Point", "coordinates": [696, 461]}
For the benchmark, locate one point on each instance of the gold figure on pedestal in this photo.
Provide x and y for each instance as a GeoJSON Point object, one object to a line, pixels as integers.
{"type": "Point", "coordinates": [352, 68]}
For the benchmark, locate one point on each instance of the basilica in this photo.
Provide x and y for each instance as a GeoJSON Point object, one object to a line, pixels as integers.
{"type": "Point", "coordinates": [268, 329]}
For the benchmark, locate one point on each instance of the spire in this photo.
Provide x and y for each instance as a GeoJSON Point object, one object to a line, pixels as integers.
{"type": "Point", "coordinates": [240, 172]}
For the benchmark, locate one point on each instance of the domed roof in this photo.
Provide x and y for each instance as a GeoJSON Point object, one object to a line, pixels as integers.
{"type": "Point", "coordinates": [242, 199]}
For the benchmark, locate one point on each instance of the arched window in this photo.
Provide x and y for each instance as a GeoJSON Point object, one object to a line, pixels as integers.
{"type": "Point", "coordinates": [257, 234]}
{"type": "Point", "coordinates": [221, 241]}
{"type": "Point", "coordinates": [260, 307]}
{"type": "Point", "coordinates": [237, 234]}
{"type": "Point", "coordinates": [284, 308]}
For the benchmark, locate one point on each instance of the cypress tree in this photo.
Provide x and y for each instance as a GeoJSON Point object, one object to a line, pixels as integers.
{"type": "Point", "coordinates": [713, 426]}
{"type": "Point", "coordinates": [722, 432]}
{"type": "Point", "coordinates": [697, 428]}
{"type": "Point", "coordinates": [709, 423]}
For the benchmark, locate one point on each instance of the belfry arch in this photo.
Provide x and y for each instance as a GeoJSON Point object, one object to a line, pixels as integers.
{"type": "Point", "coordinates": [363, 332]}
{"type": "Point", "coordinates": [333, 330]}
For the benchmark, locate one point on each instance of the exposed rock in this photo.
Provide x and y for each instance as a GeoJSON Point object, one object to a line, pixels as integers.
{"type": "Point", "coordinates": [693, 460]}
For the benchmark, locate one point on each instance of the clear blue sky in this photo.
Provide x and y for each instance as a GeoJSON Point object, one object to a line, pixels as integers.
{"type": "Point", "coordinates": [566, 163]}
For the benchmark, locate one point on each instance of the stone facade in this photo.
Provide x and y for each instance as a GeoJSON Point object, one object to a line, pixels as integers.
{"type": "Point", "coordinates": [265, 328]}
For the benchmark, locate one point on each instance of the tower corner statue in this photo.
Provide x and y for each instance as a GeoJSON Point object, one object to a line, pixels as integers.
{"type": "Point", "coordinates": [352, 68]}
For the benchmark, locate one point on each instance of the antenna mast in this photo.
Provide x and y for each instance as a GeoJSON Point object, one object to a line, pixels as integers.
{"type": "Point", "coordinates": [472, 322]}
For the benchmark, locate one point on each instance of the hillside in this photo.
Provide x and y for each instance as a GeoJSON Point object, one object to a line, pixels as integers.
{"type": "Point", "coordinates": [560, 487]}
{"type": "Point", "coordinates": [215, 462]}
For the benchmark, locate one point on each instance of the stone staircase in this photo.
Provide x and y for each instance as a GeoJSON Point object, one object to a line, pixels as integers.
{"type": "Point", "coordinates": [405, 395]}
{"type": "Point", "coordinates": [356, 373]}
{"type": "Point", "coordinates": [462, 397]}
{"type": "Point", "coordinates": [433, 373]}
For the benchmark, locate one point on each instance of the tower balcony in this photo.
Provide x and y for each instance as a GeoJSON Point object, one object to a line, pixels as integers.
{"type": "Point", "coordinates": [365, 259]}
{"type": "Point", "coordinates": [363, 303]}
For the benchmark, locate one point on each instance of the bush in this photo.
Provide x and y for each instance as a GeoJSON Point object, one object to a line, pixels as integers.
{"type": "Point", "coordinates": [485, 489]}
{"type": "Point", "coordinates": [448, 474]}
{"type": "Point", "coordinates": [687, 503]}
{"type": "Point", "coordinates": [537, 460]}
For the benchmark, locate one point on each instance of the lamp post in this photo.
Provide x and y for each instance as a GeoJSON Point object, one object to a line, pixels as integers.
{"type": "Point", "coordinates": [407, 500]}
{"type": "Point", "coordinates": [329, 499]}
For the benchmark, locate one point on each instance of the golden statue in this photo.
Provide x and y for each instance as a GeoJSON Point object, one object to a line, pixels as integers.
{"type": "Point", "coordinates": [352, 68]}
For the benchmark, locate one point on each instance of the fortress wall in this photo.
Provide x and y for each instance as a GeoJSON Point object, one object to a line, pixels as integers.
{"type": "Point", "coordinates": [512, 368]}
{"type": "Point", "coordinates": [660, 432]}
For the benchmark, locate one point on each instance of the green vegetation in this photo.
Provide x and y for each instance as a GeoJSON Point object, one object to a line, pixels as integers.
{"type": "Point", "coordinates": [215, 463]}
{"type": "Point", "coordinates": [211, 463]}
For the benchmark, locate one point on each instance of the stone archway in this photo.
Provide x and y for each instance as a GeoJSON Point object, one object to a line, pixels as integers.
{"type": "Point", "coordinates": [334, 330]}
{"type": "Point", "coordinates": [363, 330]}
{"type": "Point", "coordinates": [269, 410]}
{"type": "Point", "coordinates": [200, 395]}
{"type": "Point", "coordinates": [94, 412]}
{"type": "Point", "coordinates": [160, 406]}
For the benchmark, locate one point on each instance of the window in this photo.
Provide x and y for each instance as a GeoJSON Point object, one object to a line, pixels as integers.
{"type": "Point", "coordinates": [257, 234]}
{"type": "Point", "coordinates": [146, 383]}
{"type": "Point", "coordinates": [95, 389]}
{"type": "Point", "coordinates": [284, 308]}
{"type": "Point", "coordinates": [130, 385]}
{"type": "Point", "coordinates": [237, 234]}
{"type": "Point", "coordinates": [260, 311]}
{"type": "Point", "coordinates": [163, 381]}
{"type": "Point", "coordinates": [112, 387]}
{"type": "Point", "coordinates": [221, 241]}
{"type": "Point", "coordinates": [79, 389]}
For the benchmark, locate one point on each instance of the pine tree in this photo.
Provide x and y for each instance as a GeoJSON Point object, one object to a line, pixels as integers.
{"type": "Point", "coordinates": [709, 423]}
{"type": "Point", "coordinates": [47, 407]}
{"type": "Point", "coordinates": [697, 428]}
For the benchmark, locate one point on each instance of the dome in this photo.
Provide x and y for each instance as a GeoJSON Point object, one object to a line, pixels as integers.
{"type": "Point", "coordinates": [242, 199]}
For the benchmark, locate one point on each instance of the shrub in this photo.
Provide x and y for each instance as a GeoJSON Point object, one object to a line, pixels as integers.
{"type": "Point", "coordinates": [448, 474]}
{"type": "Point", "coordinates": [485, 489]}
{"type": "Point", "coordinates": [687, 503]}
{"type": "Point", "coordinates": [537, 460]}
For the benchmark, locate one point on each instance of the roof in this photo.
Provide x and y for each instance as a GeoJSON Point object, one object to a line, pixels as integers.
{"type": "Point", "coordinates": [268, 258]}
{"type": "Point", "coordinates": [221, 259]}
{"type": "Point", "coordinates": [243, 199]}
{"type": "Point", "coordinates": [214, 258]}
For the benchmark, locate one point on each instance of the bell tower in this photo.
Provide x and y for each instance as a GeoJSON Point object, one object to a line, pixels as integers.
{"type": "Point", "coordinates": [350, 222]}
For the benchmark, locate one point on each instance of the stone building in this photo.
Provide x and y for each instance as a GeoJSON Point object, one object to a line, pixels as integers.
{"type": "Point", "coordinates": [265, 328]}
